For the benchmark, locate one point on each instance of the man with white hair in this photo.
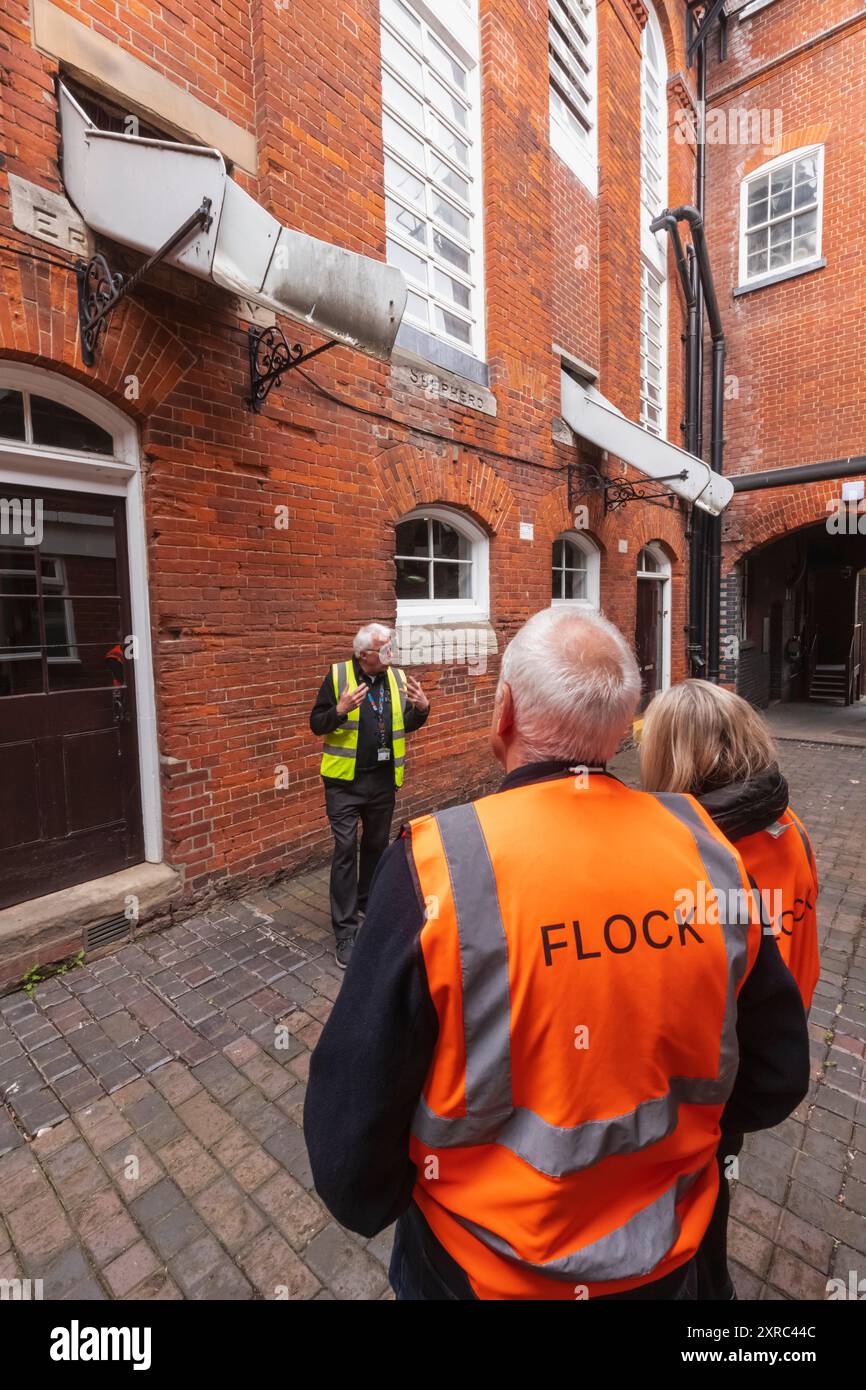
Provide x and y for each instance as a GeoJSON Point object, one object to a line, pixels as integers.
{"type": "Point", "coordinates": [363, 711]}
{"type": "Point", "coordinates": [529, 1060]}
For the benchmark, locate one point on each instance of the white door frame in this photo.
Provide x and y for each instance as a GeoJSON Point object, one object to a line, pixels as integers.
{"type": "Point", "coordinates": [661, 576]}
{"type": "Point", "coordinates": [28, 465]}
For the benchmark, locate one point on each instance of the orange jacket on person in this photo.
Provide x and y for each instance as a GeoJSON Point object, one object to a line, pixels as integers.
{"type": "Point", "coordinates": [781, 861]}
{"type": "Point", "coordinates": [565, 1142]}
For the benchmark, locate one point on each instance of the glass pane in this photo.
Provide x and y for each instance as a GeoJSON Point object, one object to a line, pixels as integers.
{"type": "Point", "coordinates": [402, 101]}
{"type": "Point", "coordinates": [413, 578]}
{"type": "Point", "coordinates": [20, 675]}
{"type": "Point", "coordinates": [409, 186]}
{"type": "Point", "coordinates": [780, 235]}
{"type": "Point", "coordinates": [83, 667]}
{"type": "Point", "coordinates": [450, 323]}
{"type": "Point", "coordinates": [447, 213]}
{"type": "Point", "coordinates": [806, 222]}
{"type": "Point", "coordinates": [11, 414]}
{"type": "Point", "coordinates": [757, 213]}
{"type": "Point", "coordinates": [806, 193]}
{"type": "Point", "coordinates": [400, 58]}
{"type": "Point", "coordinates": [446, 103]}
{"type": "Point", "coordinates": [451, 581]}
{"type": "Point", "coordinates": [19, 623]}
{"type": "Point", "coordinates": [416, 307]}
{"type": "Point", "coordinates": [453, 289]}
{"type": "Point", "coordinates": [450, 251]}
{"type": "Point", "coordinates": [448, 141]}
{"type": "Point", "coordinates": [402, 19]}
{"type": "Point", "coordinates": [759, 191]}
{"type": "Point", "coordinates": [559, 553]}
{"type": "Point", "coordinates": [807, 168]}
{"type": "Point", "coordinates": [409, 223]}
{"type": "Point", "coordinates": [78, 550]}
{"type": "Point", "coordinates": [647, 561]}
{"type": "Point", "coordinates": [71, 622]}
{"type": "Point", "coordinates": [399, 139]}
{"type": "Point", "coordinates": [806, 246]}
{"type": "Point", "coordinates": [782, 179]}
{"type": "Point", "coordinates": [449, 178]}
{"type": "Point", "coordinates": [757, 263]}
{"type": "Point", "coordinates": [17, 570]}
{"type": "Point", "coordinates": [780, 203]}
{"type": "Point", "coordinates": [780, 256]}
{"type": "Point", "coordinates": [57, 426]}
{"type": "Point", "coordinates": [445, 63]}
{"type": "Point", "coordinates": [556, 584]}
{"type": "Point", "coordinates": [412, 537]}
{"type": "Point", "coordinates": [407, 262]}
{"type": "Point", "coordinates": [450, 544]}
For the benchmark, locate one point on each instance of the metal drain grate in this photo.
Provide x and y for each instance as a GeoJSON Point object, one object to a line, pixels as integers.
{"type": "Point", "coordinates": [105, 933]}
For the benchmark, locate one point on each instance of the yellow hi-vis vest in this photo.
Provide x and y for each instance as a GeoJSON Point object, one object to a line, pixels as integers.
{"type": "Point", "coordinates": [341, 745]}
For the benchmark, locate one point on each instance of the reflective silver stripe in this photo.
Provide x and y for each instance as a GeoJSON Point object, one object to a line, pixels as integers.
{"type": "Point", "coordinates": [342, 677]}
{"type": "Point", "coordinates": [398, 762]}
{"type": "Point", "coordinates": [550, 1148]}
{"type": "Point", "coordinates": [400, 677]}
{"type": "Point", "coordinates": [805, 838]}
{"type": "Point", "coordinates": [483, 964]}
{"type": "Point", "coordinates": [631, 1251]}
{"type": "Point", "coordinates": [333, 750]}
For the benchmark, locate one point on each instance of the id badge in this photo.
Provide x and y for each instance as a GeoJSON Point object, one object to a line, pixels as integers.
{"type": "Point", "coordinates": [384, 755]}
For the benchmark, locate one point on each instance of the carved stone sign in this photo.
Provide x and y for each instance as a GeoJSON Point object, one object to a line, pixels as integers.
{"type": "Point", "coordinates": [444, 386]}
{"type": "Point", "coordinates": [49, 217]}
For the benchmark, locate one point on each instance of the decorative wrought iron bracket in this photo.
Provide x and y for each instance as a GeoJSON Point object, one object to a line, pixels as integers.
{"type": "Point", "coordinates": [100, 290]}
{"type": "Point", "coordinates": [617, 492]}
{"type": "Point", "coordinates": [271, 356]}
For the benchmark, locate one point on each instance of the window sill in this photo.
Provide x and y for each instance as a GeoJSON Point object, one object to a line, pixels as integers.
{"type": "Point", "coordinates": [439, 353]}
{"type": "Point", "coordinates": [790, 274]}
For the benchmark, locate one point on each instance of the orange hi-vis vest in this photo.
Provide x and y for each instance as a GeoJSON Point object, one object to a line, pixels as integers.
{"type": "Point", "coordinates": [565, 1141]}
{"type": "Point", "coordinates": [781, 862]}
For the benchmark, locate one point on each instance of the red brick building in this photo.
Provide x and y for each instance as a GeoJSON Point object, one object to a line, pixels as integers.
{"type": "Point", "coordinates": [509, 162]}
{"type": "Point", "coordinates": [785, 178]}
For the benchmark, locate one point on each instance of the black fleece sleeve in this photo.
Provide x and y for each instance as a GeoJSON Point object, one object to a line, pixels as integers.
{"type": "Point", "coordinates": [323, 716]}
{"type": "Point", "coordinates": [773, 1075]}
{"type": "Point", "coordinates": [369, 1067]}
{"type": "Point", "coordinates": [415, 719]}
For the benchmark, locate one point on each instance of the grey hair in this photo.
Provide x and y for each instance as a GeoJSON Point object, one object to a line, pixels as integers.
{"type": "Point", "coordinates": [575, 686]}
{"type": "Point", "coordinates": [366, 635]}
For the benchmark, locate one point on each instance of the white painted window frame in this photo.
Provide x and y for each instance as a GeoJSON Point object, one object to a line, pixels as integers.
{"type": "Point", "coordinates": [30, 465]}
{"type": "Point", "coordinates": [795, 267]}
{"type": "Point", "coordinates": [654, 247]}
{"type": "Point", "coordinates": [452, 610]}
{"type": "Point", "coordinates": [455, 21]}
{"type": "Point", "coordinates": [580, 157]}
{"type": "Point", "coordinates": [592, 555]}
{"type": "Point", "coordinates": [663, 363]}
{"type": "Point", "coordinates": [661, 576]}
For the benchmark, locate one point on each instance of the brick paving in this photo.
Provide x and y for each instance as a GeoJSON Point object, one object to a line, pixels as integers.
{"type": "Point", "coordinates": [150, 1135]}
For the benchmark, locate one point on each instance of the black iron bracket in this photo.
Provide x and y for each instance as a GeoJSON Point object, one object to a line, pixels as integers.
{"type": "Point", "coordinates": [585, 478]}
{"type": "Point", "coordinates": [271, 356]}
{"type": "Point", "coordinates": [100, 290]}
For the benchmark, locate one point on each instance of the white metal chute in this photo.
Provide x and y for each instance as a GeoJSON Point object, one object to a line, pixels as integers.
{"type": "Point", "coordinates": [138, 192]}
{"type": "Point", "coordinates": [591, 416]}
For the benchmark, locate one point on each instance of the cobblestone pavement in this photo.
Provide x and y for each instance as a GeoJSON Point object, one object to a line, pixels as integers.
{"type": "Point", "coordinates": [151, 1142]}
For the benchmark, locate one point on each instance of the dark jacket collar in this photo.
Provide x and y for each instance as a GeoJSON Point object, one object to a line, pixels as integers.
{"type": "Point", "coordinates": [541, 772]}
{"type": "Point", "coordinates": [744, 808]}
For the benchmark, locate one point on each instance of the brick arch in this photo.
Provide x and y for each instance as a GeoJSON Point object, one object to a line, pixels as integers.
{"type": "Point", "coordinates": [756, 521]}
{"type": "Point", "coordinates": [553, 516]}
{"type": "Point", "coordinates": [408, 476]}
{"type": "Point", "coordinates": [673, 37]}
{"type": "Point", "coordinates": [39, 325]}
{"type": "Point", "coordinates": [649, 524]}
{"type": "Point", "coordinates": [791, 140]}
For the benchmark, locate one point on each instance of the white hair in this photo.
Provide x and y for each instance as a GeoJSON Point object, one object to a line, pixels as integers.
{"type": "Point", "coordinates": [575, 686]}
{"type": "Point", "coordinates": [366, 635]}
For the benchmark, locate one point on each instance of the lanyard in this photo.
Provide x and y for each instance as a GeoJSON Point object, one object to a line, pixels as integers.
{"type": "Point", "coordinates": [379, 710]}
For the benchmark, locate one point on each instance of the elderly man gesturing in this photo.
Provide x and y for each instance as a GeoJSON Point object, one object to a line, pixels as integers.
{"type": "Point", "coordinates": [364, 710]}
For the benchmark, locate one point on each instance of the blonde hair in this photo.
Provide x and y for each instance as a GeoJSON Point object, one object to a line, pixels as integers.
{"type": "Point", "coordinates": [698, 736]}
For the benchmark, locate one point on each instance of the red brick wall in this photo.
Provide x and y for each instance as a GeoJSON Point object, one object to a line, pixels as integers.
{"type": "Point", "coordinates": [247, 617]}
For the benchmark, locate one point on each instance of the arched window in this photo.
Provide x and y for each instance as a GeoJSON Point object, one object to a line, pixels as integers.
{"type": "Point", "coordinates": [654, 195]}
{"type": "Point", "coordinates": [441, 559]}
{"type": "Point", "coordinates": [576, 567]}
{"type": "Point", "coordinates": [28, 418]}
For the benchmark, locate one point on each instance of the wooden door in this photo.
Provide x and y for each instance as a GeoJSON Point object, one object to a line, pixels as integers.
{"type": "Point", "coordinates": [648, 638]}
{"type": "Point", "coordinates": [70, 805]}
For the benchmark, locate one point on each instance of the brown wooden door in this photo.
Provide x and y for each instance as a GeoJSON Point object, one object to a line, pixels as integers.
{"type": "Point", "coordinates": [70, 806]}
{"type": "Point", "coordinates": [648, 638]}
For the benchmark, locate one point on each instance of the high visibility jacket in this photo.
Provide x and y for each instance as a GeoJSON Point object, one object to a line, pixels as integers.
{"type": "Point", "coordinates": [781, 862]}
{"type": "Point", "coordinates": [341, 745]}
{"type": "Point", "coordinates": [565, 1141]}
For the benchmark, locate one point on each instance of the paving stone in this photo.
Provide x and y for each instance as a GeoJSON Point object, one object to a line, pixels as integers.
{"type": "Point", "coordinates": [155, 1204]}
{"type": "Point", "coordinates": [188, 1164]}
{"type": "Point", "coordinates": [748, 1248]}
{"type": "Point", "coordinates": [229, 1214]}
{"type": "Point", "coordinates": [815, 1173]}
{"type": "Point", "coordinates": [296, 1214]}
{"type": "Point", "coordinates": [126, 1272]}
{"type": "Point", "coordinates": [10, 1136]}
{"type": "Point", "coordinates": [806, 1241]}
{"type": "Point", "coordinates": [275, 1270]}
{"type": "Point", "coordinates": [110, 1240]}
{"type": "Point", "coordinates": [194, 1263]}
{"type": "Point", "coordinates": [341, 1264]}
{"type": "Point", "coordinates": [796, 1279]}
{"type": "Point", "coordinates": [207, 1121]}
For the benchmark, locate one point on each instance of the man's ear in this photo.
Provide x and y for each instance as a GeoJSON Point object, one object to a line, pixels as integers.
{"type": "Point", "coordinates": [505, 718]}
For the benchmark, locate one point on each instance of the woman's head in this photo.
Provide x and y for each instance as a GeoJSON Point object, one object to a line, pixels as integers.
{"type": "Point", "coordinates": [698, 736]}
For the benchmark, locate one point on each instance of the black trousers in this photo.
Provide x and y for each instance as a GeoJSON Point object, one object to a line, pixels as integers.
{"type": "Point", "coordinates": [369, 798]}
